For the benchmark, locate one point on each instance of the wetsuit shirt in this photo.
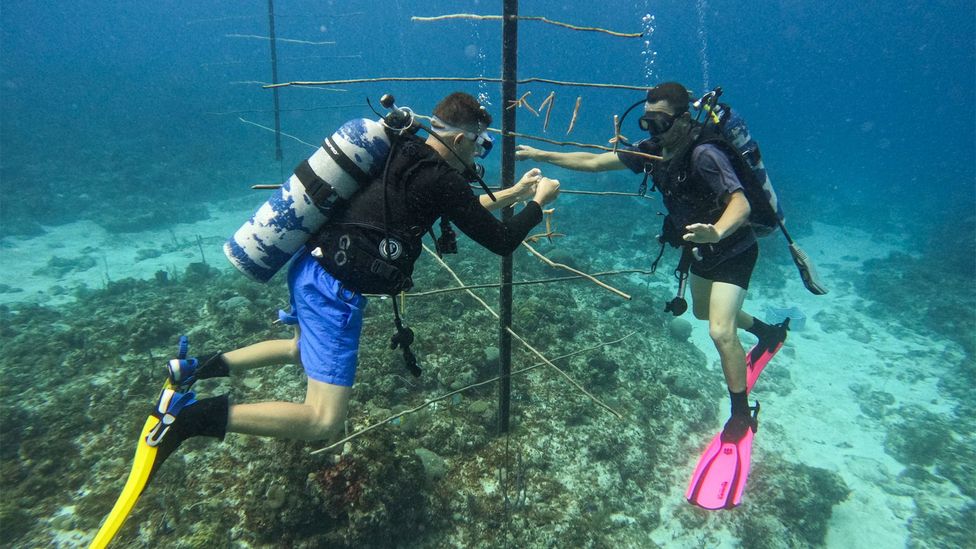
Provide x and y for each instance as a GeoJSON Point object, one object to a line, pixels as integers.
{"type": "Point", "coordinates": [436, 189]}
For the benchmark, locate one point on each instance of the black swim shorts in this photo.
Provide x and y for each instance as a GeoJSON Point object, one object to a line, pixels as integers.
{"type": "Point", "coordinates": [734, 270]}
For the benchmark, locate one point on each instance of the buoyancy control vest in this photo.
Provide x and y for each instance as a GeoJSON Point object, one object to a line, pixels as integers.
{"type": "Point", "coordinates": [372, 243]}
{"type": "Point", "coordinates": [689, 199]}
{"type": "Point", "coordinates": [728, 131]}
{"type": "Point", "coordinates": [725, 129]}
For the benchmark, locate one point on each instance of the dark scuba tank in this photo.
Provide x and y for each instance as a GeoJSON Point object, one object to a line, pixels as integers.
{"type": "Point", "coordinates": [347, 160]}
{"type": "Point", "coordinates": [732, 126]}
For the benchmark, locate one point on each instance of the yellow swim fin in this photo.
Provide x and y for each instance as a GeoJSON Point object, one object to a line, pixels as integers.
{"type": "Point", "coordinates": [142, 466]}
{"type": "Point", "coordinates": [151, 451]}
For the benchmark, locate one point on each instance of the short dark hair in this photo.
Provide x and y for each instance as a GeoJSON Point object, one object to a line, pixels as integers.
{"type": "Point", "coordinates": [675, 94]}
{"type": "Point", "coordinates": [463, 111]}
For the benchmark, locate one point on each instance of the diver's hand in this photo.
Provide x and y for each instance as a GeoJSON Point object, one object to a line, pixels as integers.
{"type": "Point", "coordinates": [546, 190]}
{"type": "Point", "coordinates": [525, 188]}
{"type": "Point", "coordinates": [702, 233]}
{"type": "Point", "coordinates": [525, 152]}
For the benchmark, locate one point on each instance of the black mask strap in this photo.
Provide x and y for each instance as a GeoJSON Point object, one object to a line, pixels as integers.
{"type": "Point", "coordinates": [626, 112]}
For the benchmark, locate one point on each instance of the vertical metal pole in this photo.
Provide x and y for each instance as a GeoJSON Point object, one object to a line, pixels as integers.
{"type": "Point", "coordinates": [274, 79]}
{"type": "Point", "coordinates": [509, 76]}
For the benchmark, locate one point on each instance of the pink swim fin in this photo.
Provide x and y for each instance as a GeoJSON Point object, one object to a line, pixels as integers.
{"type": "Point", "coordinates": [723, 468]}
{"type": "Point", "coordinates": [722, 471]}
{"type": "Point", "coordinates": [762, 352]}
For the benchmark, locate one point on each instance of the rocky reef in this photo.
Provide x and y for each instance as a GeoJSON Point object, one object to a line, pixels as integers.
{"type": "Point", "coordinates": [79, 381]}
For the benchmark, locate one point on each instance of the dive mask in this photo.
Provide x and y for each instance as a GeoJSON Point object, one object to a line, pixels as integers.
{"type": "Point", "coordinates": [679, 135]}
{"type": "Point", "coordinates": [656, 122]}
{"type": "Point", "coordinates": [482, 141]}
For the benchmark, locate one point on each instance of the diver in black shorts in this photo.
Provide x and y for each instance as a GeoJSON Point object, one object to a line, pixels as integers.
{"type": "Point", "coordinates": [708, 215]}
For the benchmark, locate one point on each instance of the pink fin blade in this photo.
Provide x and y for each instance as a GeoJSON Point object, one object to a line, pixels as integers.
{"type": "Point", "coordinates": [710, 453]}
{"type": "Point", "coordinates": [754, 367]}
{"type": "Point", "coordinates": [720, 477]}
{"type": "Point", "coordinates": [759, 356]}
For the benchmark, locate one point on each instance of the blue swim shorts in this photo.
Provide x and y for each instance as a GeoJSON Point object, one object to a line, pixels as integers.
{"type": "Point", "coordinates": [330, 318]}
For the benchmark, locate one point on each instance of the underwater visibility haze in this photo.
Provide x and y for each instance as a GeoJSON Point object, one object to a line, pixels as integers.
{"type": "Point", "coordinates": [131, 135]}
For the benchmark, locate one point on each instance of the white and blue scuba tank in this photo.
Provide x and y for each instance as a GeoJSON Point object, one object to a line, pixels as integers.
{"type": "Point", "coordinates": [347, 160]}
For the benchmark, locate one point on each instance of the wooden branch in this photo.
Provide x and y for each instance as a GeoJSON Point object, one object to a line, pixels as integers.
{"type": "Point", "coordinates": [607, 193]}
{"type": "Point", "coordinates": [290, 40]}
{"type": "Point", "coordinates": [575, 144]}
{"type": "Point", "coordinates": [553, 264]}
{"type": "Point", "coordinates": [640, 154]}
{"type": "Point", "coordinates": [458, 280]}
{"type": "Point", "coordinates": [282, 133]}
{"type": "Point", "coordinates": [307, 109]}
{"type": "Point", "coordinates": [452, 79]}
{"type": "Point", "coordinates": [512, 134]}
{"type": "Point", "coordinates": [461, 390]}
{"type": "Point", "coordinates": [527, 18]}
{"type": "Point", "coordinates": [275, 186]}
{"type": "Point", "coordinates": [564, 374]}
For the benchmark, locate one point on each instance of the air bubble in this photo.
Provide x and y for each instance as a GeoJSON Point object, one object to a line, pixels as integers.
{"type": "Point", "coordinates": [649, 54]}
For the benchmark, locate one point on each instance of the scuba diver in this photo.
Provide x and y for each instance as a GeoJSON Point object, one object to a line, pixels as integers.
{"type": "Point", "coordinates": [368, 246]}
{"type": "Point", "coordinates": [369, 243]}
{"type": "Point", "coordinates": [708, 218]}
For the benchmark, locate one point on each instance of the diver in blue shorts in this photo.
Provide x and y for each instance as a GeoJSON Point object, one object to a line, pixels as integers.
{"type": "Point", "coordinates": [370, 246]}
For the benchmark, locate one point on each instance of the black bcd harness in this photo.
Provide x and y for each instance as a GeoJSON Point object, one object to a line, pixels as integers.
{"type": "Point", "coordinates": [373, 241]}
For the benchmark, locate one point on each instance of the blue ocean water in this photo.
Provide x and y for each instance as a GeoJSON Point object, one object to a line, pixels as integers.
{"type": "Point", "coordinates": [854, 103]}
{"type": "Point", "coordinates": [133, 115]}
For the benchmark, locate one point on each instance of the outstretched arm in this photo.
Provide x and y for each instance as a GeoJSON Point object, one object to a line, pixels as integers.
{"type": "Point", "coordinates": [578, 161]}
